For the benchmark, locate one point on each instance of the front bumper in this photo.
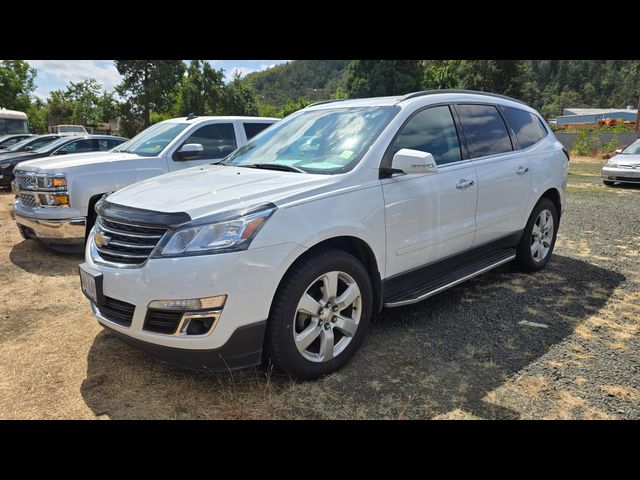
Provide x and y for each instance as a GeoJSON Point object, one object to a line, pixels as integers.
{"type": "Point", "coordinates": [626, 175]}
{"type": "Point", "coordinates": [242, 350]}
{"type": "Point", "coordinates": [249, 279]}
{"type": "Point", "coordinates": [67, 231]}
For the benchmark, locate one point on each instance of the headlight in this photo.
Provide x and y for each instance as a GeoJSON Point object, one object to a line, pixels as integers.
{"type": "Point", "coordinates": [54, 199]}
{"type": "Point", "coordinates": [57, 182]}
{"type": "Point", "coordinates": [207, 236]}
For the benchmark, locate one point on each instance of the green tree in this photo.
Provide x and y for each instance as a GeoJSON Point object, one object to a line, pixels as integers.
{"type": "Point", "coordinates": [239, 98]}
{"type": "Point", "coordinates": [496, 76]}
{"type": "Point", "coordinates": [16, 84]}
{"type": "Point", "coordinates": [201, 90]}
{"type": "Point", "coordinates": [148, 85]}
{"type": "Point", "coordinates": [372, 78]}
{"type": "Point", "coordinates": [440, 74]}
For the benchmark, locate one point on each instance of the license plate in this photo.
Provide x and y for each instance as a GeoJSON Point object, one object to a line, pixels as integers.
{"type": "Point", "coordinates": [91, 283]}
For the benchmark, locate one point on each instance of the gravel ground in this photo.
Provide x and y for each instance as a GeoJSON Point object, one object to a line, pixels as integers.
{"type": "Point", "coordinates": [562, 343]}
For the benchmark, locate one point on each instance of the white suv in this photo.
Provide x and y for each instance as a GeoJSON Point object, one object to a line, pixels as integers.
{"type": "Point", "coordinates": [287, 248]}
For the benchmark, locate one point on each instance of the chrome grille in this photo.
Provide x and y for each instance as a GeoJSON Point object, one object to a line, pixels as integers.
{"type": "Point", "coordinates": [28, 200]}
{"type": "Point", "coordinates": [123, 243]}
{"type": "Point", "coordinates": [25, 182]}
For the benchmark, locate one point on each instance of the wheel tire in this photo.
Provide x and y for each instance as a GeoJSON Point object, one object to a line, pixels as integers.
{"type": "Point", "coordinates": [524, 258]}
{"type": "Point", "coordinates": [279, 341]}
{"type": "Point", "coordinates": [608, 183]}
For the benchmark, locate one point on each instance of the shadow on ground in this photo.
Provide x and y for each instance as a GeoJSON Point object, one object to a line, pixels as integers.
{"type": "Point", "coordinates": [418, 361]}
{"type": "Point", "coordinates": [36, 258]}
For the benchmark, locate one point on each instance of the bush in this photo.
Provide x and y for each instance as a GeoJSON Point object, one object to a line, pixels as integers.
{"type": "Point", "coordinates": [611, 146]}
{"type": "Point", "coordinates": [584, 144]}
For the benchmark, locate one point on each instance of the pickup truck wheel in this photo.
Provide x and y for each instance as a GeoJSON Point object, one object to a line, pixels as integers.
{"type": "Point", "coordinates": [319, 315]}
{"type": "Point", "coordinates": [539, 237]}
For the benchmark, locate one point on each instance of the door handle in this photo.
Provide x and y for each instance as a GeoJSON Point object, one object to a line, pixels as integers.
{"type": "Point", "coordinates": [462, 184]}
{"type": "Point", "coordinates": [522, 170]}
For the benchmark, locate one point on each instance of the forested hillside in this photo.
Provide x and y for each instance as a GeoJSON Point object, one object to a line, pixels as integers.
{"type": "Point", "coordinates": [548, 85]}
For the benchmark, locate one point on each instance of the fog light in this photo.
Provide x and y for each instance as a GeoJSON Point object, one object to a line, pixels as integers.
{"type": "Point", "coordinates": [190, 304]}
{"type": "Point", "coordinates": [199, 326]}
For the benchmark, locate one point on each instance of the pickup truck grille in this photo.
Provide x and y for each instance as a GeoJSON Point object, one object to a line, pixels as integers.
{"type": "Point", "coordinates": [125, 244]}
{"type": "Point", "coordinates": [25, 182]}
{"type": "Point", "coordinates": [28, 200]}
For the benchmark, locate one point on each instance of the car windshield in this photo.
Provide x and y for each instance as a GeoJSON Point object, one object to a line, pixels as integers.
{"type": "Point", "coordinates": [326, 141]}
{"type": "Point", "coordinates": [153, 140]}
{"type": "Point", "coordinates": [71, 129]}
{"type": "Point", "coordinates": [633, 149]}
{"type": "Point", "coordinates": [50, 147]}
{"type": "Point", "coordinates": [34, 141]}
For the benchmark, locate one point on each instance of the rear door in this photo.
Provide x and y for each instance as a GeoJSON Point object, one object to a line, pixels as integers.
{"type": "Point", "coordinates": [503, 172]}
{"type": "Point", "coordinates": [217, 139]}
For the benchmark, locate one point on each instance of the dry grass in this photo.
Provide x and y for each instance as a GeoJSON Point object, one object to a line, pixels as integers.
{"type": "Point", "coordinates": [56, 362]}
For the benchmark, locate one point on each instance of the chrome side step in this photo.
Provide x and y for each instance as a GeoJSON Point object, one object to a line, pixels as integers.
{"type": "Point", "coordinates": [430, 293]}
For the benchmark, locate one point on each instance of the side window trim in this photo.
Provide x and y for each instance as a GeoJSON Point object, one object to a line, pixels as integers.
{"type": "Point", "coordinates": [507, 126]}
{"type": "Point", "coordinates": [387, 157]}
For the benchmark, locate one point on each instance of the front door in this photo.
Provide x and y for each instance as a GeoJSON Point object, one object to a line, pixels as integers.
{"type": "Point", "coordinates": [430, 216]}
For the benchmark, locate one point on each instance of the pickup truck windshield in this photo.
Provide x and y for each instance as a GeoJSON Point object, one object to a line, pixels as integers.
{"type": "Point", "coordinates": [324, 141]}
{"type": "Point", "coordinates": [153, 140]}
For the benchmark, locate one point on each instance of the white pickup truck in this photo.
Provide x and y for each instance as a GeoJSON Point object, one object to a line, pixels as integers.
{"type": "Point", "coordinates": [55, 197]}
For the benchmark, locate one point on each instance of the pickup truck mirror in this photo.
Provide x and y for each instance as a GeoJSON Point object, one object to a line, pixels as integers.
{"type": "Point", "coordinates": [190, 151]}
{"type": "Point", "coordinates": [618, 150]}
{"type": "Point", "coordinates": [28, 148]}
{"type": "Point", "coordinates": [411, 161]}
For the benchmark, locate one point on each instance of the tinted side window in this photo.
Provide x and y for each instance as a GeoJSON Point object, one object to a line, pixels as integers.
{"type": "Point", "coordinates": [218, 140]}
{"type": "Point", "coordinates": [484, 129]}
{"type": "Point", "coordinates": [252, 129]}
{"type": "Point", "coordinates": [113, 143]}
{"type": "Point", "coordinates": [528, 127]}
{"type": "Point", "coordinates": [79, 146]}
{"type": "Point", "coordinates": [431, 130]}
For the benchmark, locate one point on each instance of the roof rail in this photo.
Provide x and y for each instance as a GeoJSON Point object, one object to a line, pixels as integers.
{"type": "Point", "coordinates": [326, 101]}
{"type": "Point", "coordinates": [457, 90]}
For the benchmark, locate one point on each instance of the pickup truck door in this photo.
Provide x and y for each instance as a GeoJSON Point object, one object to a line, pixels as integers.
{"type": "Point", "coordinates": [218, 139]}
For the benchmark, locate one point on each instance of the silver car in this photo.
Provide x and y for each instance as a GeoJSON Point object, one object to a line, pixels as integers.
{"type": "Point", "coordinates": [624, 167]}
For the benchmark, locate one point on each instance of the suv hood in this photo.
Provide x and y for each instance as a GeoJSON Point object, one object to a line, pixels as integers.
{"type": "Point", "coordinates": [202, 191]}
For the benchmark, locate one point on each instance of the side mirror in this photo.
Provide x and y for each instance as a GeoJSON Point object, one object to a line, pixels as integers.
{"type": "Point", "coordinates": [190, 151]}
{"type": "Point", "coordinates": [410, 162]}
{"type": "Point", "coordinates": [28, 148]}
{"type": "Point", "coordinates": [619, 150]}
{"type": "Point", "coordinates": [60, 152]}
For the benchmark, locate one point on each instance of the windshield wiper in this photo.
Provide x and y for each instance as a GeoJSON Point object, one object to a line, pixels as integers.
{"type": "Point", "coordinates": [274, 166]}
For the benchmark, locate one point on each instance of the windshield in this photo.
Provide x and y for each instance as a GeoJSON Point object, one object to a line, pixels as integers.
{"type": "Point", "coordinates": [50, 147]}
{"type": "Point", "coordinates": [633, 149]}
{"type": "Point", "coordinates": [153, 140]}
{"type": "Point", "coordinates": [35, 142]}
{"type": "Point", "coordinates": [71, 129]}
{"type": "Point", "coordinates": [321, 141]}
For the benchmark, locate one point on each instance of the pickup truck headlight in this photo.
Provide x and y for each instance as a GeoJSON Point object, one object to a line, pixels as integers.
{"type": "Point", "coordinates": [204, 236]}
{"type": "Point", "coordinates": [54, 199]}
{"type": "Point", "coordinates": [57, 182]}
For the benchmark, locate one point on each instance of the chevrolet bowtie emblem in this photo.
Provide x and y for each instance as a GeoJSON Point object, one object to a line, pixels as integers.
{"type": "Point", "coordinates": [102, 240]}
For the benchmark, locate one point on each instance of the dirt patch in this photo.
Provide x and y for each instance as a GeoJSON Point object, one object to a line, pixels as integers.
{"type": "Point", "coordinates": [563, 343]}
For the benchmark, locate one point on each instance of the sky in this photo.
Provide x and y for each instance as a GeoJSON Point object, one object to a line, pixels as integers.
{"type": "Point", "coordinates": [56, 74]}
